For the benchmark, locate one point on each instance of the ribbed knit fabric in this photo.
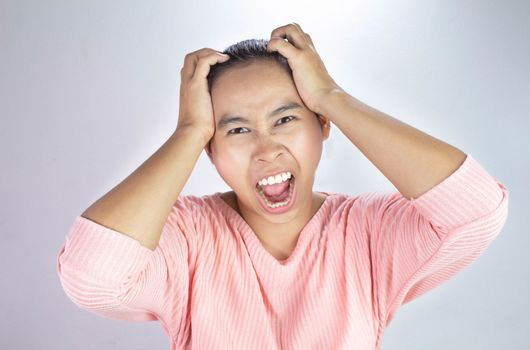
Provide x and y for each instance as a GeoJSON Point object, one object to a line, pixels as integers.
{"type": "Point", "coordinates": [212, 285]}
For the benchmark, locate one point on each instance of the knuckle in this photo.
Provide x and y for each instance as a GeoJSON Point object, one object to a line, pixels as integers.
{"type": "Point", "coordinates": [205, 51]}
{"type": "Point", "coordinates": [205, 56]}
{"type": "Point", "coordinates": [188, 58]}
{"type": "Point", "coordinates": [200, 60]}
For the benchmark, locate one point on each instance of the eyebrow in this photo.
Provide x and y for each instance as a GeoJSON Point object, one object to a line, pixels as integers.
{"type": "Point", "coordinates": [233, 119]}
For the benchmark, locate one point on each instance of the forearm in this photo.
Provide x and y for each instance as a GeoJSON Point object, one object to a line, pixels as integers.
{"type": "Point", "coordinates": [412, 160]}
{"type": "Point", "coordinates": [140, 204]}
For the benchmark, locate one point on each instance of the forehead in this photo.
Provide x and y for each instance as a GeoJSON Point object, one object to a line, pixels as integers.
{"type": "Point", "coordinates": [256, 88]}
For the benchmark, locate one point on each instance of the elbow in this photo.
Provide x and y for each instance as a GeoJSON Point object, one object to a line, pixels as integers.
{"type": "Point", "coordinates": [84, 291]}
{"type": "Point", "coordinates": [483, 230]}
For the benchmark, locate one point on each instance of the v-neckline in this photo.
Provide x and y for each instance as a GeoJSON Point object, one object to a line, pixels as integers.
{"type": "Point", "coordinates": [254, 245]}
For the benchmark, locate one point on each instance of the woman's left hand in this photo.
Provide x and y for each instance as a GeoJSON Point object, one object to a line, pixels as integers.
{"type": "Point", "coordinates": [312, 80]}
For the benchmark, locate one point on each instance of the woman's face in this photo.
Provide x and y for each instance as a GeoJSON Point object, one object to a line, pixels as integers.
{"type": "Point", "coordinates": [244, 152]}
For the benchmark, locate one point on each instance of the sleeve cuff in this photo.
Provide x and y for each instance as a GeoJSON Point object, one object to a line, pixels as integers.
{"type": "Point", "coordinates": [466, 195]}
{"type": "Point", "coordinates": [101, 253]}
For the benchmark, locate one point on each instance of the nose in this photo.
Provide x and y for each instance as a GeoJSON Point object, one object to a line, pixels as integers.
{"type": "Point", "coordinates": [267, 149]}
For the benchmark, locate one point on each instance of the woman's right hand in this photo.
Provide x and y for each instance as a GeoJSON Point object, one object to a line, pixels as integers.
{"type": "Point", "coordinates": [195, 110]}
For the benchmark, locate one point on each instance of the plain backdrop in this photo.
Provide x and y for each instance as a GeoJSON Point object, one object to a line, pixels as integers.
{"type": "Point", "coordinates": [89, 90]}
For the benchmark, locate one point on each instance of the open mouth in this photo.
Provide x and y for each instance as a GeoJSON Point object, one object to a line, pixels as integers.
{"type": "Point", "coordinates": [278, 200]}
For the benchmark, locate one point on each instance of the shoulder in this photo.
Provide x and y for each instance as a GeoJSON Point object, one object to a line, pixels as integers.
{"type": "Point", "coordinates": [346, 207]}
{"type": "Point", "coordinates": [205, 207]}
{"type": "Point", "coordinates": [188, 208]}
{"type": "Point", "coordinates": [342, 201]}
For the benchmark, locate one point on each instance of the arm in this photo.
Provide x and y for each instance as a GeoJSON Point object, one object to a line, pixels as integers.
{"type": "Point", "coordinates": [455, 209]}
{"type": "Point", "coordinates": [140, 204]}
{"type": "Point", "coordinates": [129, 255]}
{"type": "Point", "coordinates": [412, 160]}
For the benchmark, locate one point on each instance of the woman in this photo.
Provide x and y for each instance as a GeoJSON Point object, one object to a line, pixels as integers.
{"type": "Point", "coordinates": [272, 263]}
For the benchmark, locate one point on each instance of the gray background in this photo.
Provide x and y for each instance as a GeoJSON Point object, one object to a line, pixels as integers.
{"type": "Point", "coordinates": [89, 90]}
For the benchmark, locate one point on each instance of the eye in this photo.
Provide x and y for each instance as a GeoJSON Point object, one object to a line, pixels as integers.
{"type": "Point", "coordinates": [234, 131]}
{"type": "Point", "coordinates": [231, 131]}
{"type": "Point", "coordinates": [289, 116]}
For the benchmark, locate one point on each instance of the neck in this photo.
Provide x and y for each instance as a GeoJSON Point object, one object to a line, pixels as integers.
{"type": "Point", "coordinates": [283, 234]}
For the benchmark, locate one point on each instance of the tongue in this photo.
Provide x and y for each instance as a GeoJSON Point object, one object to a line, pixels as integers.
{"type": "Point", "coordinates": [276, 189]}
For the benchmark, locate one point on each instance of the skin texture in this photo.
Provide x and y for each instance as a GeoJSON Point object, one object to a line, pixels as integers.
{"type": "Point", "coordinates": [264, 145]}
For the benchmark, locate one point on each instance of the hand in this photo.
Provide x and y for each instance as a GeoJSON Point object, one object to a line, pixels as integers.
{"type": "Point", "coordinates": [311, 78]}
{"type": "Point", "coordinates": [196, 111]}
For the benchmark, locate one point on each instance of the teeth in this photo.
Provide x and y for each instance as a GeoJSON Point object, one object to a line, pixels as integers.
{"type": "Point", "coordinates": [271, 180]}
{"type": "Point", "coordinates": [279, 204]}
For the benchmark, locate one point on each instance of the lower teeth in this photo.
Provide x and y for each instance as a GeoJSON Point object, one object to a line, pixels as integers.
{"type": "Point", "coordinates": [279, 204]}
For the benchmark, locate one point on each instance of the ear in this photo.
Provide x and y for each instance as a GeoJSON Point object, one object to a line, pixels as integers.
{"type": "Point", "coordinates": [325, 123]}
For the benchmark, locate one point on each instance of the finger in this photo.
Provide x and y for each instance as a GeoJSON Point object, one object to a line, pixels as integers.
{"type": "Point", "coordinates": [285, 48]}
{"type": "Point", "coordinates": [205, 62]}
{"type": "Point", "coordinates": [190, 62]}
{"type": "Point", "coordinates": [292, 32]}
{"type": "Point", "coordinates": [309, 39]}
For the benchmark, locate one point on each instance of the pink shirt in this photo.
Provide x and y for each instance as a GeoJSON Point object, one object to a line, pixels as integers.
{"type": "Point", "coordinates": [212, 285]}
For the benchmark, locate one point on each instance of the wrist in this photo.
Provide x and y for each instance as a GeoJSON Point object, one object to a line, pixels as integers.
{"type": "Point", "coordinates": [330, 100]}
{"type": "Point", "coordinates": [193, 135]}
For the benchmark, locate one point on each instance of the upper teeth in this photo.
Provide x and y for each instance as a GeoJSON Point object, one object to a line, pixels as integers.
{"type": "Point", "coordinates": [271, 180]}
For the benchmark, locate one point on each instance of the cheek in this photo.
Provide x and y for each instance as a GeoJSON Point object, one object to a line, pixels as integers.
{"type": "Point", "coordinates": [309, 145]}
{"type": "Point", "coordinates": [230, 165]}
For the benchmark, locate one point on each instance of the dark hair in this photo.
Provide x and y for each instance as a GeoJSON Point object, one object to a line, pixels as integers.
{"type": "Point", "coordinates": [244, 53]}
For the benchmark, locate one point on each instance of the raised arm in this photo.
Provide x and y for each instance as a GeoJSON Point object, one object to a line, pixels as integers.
{"type": "Point", "coordinates": [140, 204]}
{"type": "Point", "coordinates": [128, 256]}
{"type": "Point", "coordinates": [412, 160]}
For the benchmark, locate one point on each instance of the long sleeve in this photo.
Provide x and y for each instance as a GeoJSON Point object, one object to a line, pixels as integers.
{"type": "Point", "coordinates": [416, 245]}
{"type": "Point", "coordinates": [111, 274]}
